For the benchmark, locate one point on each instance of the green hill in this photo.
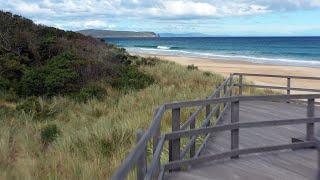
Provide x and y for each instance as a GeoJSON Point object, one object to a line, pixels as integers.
{"type": "Point", "coordinates": [36, 60]}
{"type": "Point", "coordinates": [117, 34]}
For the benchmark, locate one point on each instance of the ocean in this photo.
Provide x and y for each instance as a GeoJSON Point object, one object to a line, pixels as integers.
{"type": "Point", "coordinates": [292, 51]}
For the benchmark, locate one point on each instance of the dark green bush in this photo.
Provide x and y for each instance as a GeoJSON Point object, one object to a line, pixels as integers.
{"type": "Point", "coordinates": [207, 73]}
{"type": "Point", "coordinates": [49, 133]}
{"type": "Point", "coordinates": [192, 67]}
{"type": "Point", "coordinates": [10, 66]}
{"type": "Point", "coordinates": [4, 84]}
{"type": "Point", "coordinates": [90, 92]}
{"type": "Point", "coordinates": [130, 78]}
{"type": "Point", "coordinates": [58, 76]}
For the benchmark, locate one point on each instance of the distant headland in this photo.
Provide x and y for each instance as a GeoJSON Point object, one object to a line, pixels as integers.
{"type": "Point", "coordinates": [117, 34]}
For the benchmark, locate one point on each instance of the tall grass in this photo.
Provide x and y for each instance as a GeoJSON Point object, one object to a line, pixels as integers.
{"type": "Point", "coordinates": [94, 137]}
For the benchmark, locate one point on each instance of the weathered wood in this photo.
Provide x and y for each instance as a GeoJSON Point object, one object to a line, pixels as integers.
{"type": "Point", "coordinates": [235, 132]}
{"type": "Point", "coordinates": [288, 85]}
{"type": "Point", "coordinates": [208, 110]}
{"type": "Point", "coordinates": [278, 76]}
{"type": "Point", "coordinates": [132, 158]}
{"type": "Point", "coordinates": [318, 154]}
{"type": "Point", "coordinates": [225, 94]}
{"type": "Point", "coordinates": [240, 98]}
{"type": "Point", "coordinates": [193, 139]}
{"type": "Point", "coordinates": [142, 160]}
{"type": "Point", "coordinates": [218, 108]}
{"type": "Point", "coordinates": [230, 85]}
{"type": "Point", "coordinates": [199, 109]}
{"type": "Point", "coordinates": [162, 172]}
{"type": "Point", "coordinates": [219, 128]}
{"type": "Point", "coordinates": [310, 114]}
{"type": "Point", "coordinates": [280, 87]}
{"type": "Point", "coordinates": [202, 146]}
{"type": "Point", "coordinates": [174, 145]}
{"type": "Point", "coordinates": [153, 171]}
{"type": "Point", "coordinates": [155, 142]}
{"type": "Point", "coordinates": [193, 142]}
{"type": "Point", "coordinates": [234, 153]}
{"type": "Point", "coordinates": [240, 84]}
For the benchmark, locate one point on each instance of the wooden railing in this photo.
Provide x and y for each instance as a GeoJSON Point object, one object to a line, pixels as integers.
{"type": "Point", "coordinates": [216, 106]}
{"type": "Point", "coordinates": [288, 80]}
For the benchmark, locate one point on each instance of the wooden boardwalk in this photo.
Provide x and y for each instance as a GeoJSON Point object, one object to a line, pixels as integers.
{"type": "Point", "coordinates": [287, 164]}
{"type": "Point", "coordinates": [252, 139]}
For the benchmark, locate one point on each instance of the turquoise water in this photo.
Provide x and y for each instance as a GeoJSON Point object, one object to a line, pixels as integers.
{"type": "Point", "coordinates": [294, 51]}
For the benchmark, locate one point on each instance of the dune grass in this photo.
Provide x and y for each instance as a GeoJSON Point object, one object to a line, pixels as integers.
{"type": "Point", "coordinates": [90, 140]}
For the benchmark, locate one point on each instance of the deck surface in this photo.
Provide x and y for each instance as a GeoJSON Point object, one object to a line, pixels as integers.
{"type": "Point", "coordinates": [281, 165]}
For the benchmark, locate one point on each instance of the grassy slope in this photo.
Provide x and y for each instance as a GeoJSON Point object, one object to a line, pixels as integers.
{"type": "Point", "coordinates": [96, 135]}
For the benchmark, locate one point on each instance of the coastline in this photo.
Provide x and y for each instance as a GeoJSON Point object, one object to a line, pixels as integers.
{"type": "Point", "coordinates": [225, 67]}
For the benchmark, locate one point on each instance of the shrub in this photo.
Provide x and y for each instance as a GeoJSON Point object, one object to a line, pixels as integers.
{"type": "Point", "coordinates": [58, 76]}
{"type": "Point", "coordinates": [207, 73]}
{"type": "Point", "coordinates": [4, 84]}
{"type": "Point", "coordinates": [90, 92]}
{"type": "Point", "coordinates": [149, 61]}
{"type": "Point", "coordinates": [38, 108]}
{"type": "Point", "coordinates": [131, 78]}
{"type": "Point", "coordinates": [49, 133]}
{"type": "Point", "coordinates": [192, 67]}
{"type": "Point", "coordinates": [30, 105]}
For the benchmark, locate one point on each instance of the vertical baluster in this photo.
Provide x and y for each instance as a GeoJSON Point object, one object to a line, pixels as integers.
{"type": "Point", "coordinates": [174, 145]}
{"type": "Point", "coordinates": [310, 114]}
{"type": "Point", "coordinates": [240, 84]}
{"type": "Point", "coordinates": [288, 87]}
{"type": "Point", "coordinates": [193, 146]}
{"type": "Point", "coordinates": [235, 132]}
{"type": "Point", "coordinates": [231, 85]}
{"type": "Point", "coordinates": [142, 161]}
{"type": "Point", "coordinates": [208, 110]}
{"type": "Point", "coordinates": [155, 144]}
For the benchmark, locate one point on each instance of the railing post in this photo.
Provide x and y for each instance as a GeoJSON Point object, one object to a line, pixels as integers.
{"type": "Point", "coordinates": [231, 84]}
{"type": "Point", "coordinates": [240, 84]}
{"type": "Point", "coordinates": [208, 110]}
{"type": "Point", "coordinates": [318, 152]}
{"type": "Point", "coordinates": [142, 161]}
{"type": "Point", "coordinates": [288, 87]}
{"type": "Point", "coordinates": [174, 145]}
{"type": "Point", "coordinates": [155, 144]}
{"type": "Point", "coordinates": [310, 114]}
{"type": "Point", "coordinates": [193, 146]}
{"type": "Point", "coordinates": [225, 93]}
{"type": "Point", "coordinates": [218, 96]}
{"type": "Point", "coordinates": [235, 132]}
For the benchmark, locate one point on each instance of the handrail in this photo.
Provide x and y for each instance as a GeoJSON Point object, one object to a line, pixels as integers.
{"type": "Point", "coordinates": [278, 76]}
{"type": "Point", "coordinates": [218, 128]}
{"type": "Point", "coordinates": [288, 87]}
{"type": "Point", "coordinates": [280, 87]}
{"type": "Point", "coordinates": [240, 98]}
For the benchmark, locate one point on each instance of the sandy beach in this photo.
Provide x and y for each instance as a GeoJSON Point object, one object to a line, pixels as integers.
{"type": "Point", "coordinates": [225, 67]}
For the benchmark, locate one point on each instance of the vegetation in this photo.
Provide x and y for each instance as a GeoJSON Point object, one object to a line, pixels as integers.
{"type": "Point", "coordinates": [70, 105]}
{"type": "Point", "coordinates": [43, 61]}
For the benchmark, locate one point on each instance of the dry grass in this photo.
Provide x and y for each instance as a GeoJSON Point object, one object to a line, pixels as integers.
{"type": "Point", "coordinates": [96, 136]}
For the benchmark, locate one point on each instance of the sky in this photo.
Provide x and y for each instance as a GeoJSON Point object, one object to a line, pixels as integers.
{"type": "Point", "coordinates": [213, 17]}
